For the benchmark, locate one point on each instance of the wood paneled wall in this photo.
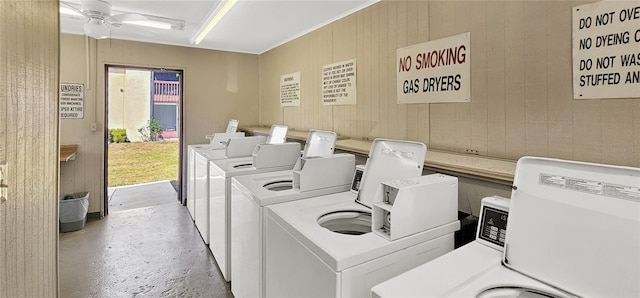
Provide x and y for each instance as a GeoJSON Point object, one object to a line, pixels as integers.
{"type": "Point", "coordinates": [521, 76]}
{"type": "Point", "coordinates": [29, 56]}
{"type": "Point", "coordinates": [83, 173]}
{"type": "Point", "coordinates": [217, 86]}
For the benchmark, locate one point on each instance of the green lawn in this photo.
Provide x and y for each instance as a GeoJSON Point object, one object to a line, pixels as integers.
{"type": "Point", "coordinates": [134, 163]}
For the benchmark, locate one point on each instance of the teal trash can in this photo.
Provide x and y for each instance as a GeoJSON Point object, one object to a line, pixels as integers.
{"type": "Point", "coordinates": [73, 211]}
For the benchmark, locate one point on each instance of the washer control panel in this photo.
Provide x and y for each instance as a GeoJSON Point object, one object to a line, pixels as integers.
{"type": "Point", "coordinates": [357, 178]}
{"type": "Point", "coordinates": [493, 227]}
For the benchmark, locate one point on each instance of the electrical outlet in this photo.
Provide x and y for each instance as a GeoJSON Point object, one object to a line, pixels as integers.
{"type": "Point", "coordinates": [472, 151]}
{"type": "Point", "coordinates": [94, 126]}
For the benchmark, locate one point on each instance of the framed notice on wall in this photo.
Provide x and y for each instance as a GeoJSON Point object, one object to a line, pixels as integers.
{"type": "Point", "coordinates": [71, 101]}
{"type": "Point", "coordinates": [606, 50]}
{"type": "Point", "coordinates": [435, 71]}
{"type": "Point", "coordinates": [290, 90]}
{"type": "Point", "coordinates": [339, 83]}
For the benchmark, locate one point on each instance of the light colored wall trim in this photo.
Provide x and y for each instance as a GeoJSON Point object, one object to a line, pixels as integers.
{"type": "Point", "coordinates": [29, 66]}
{"type": "Point", "coordinates": [521, 74]}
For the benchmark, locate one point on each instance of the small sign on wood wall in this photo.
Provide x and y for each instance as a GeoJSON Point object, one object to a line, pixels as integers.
{"type": "Point", "coordinates": [71, 101]}
{"type": "Point", "coordinates": [339, 83]}
{"type": "Point", "coordinates": [290, 90]}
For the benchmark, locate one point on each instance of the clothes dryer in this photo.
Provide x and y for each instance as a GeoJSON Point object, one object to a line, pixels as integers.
{"type": "Point", "coordinates": [324, 246]}
{"type": "Point", "coordinates": [573, 231]}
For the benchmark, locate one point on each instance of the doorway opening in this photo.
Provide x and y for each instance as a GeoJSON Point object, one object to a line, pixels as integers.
{"type": "Point", "coordinates": [143, 150]}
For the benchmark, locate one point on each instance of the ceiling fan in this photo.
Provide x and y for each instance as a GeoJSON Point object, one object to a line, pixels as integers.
{"type": "Point", "coordinates": [100, 19]}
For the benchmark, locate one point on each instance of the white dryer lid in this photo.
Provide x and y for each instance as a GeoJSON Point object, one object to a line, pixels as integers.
{"type": "Point", "coordinates": [319, 143]}
{"type": "Point", "coordinates": [576, 226]}
{"type": "Point", "coordinates": [389, 160]}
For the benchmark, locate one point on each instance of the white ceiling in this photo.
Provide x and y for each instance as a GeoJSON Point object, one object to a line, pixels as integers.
{"type": "Point", "coordinates": [251, 26]}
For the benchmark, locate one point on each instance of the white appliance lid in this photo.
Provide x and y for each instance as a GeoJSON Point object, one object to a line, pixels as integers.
{"type": "Point", "coordinates": [277, 134]}
{"type": "Point", "coordinates": [576, 226]}
{"type": "Point", "coordinates": [319, 143]}
{"type": "Point", "coordinates": [390, 160]}
{"type": "Point", "coordinates": [232, 126]}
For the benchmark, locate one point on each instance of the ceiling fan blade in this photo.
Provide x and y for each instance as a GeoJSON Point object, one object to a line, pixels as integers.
{"type": "Point", "coordinates": [96, 8]}
{"type": "Point", "coordinates": [138, 30]}
{"type": "Point", "coordinates": [72, 11]}
{"type": "Point", "coordinates": [103, 21]}
{"type": "Point", "coordinates": [129, 17]}
{"type": "Point", "coordinates": [112, 21]}
{"type": "Point", "coordinates": [148, 21]}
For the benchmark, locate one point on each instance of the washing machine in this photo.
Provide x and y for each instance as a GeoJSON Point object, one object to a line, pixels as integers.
{"type": "Point", "coordinates": [198, 206]}
{"type": "Point", "coordinates": [325, 247]}
{"type": "Point", "coordinates": [217, 142]}
{"type": "Point", "coordinates": [215, 149]}
{"type": "Point", "coordinates": [318, 172]}
{"type": "Point", "coordinates": [573, 231]}
{"type": "Point", "coordinates": [222, 146]}
{"type": "Point", "coordinates": [462, 264]}
{"type": "Point", "coordinates": [191, 178]}
{"type": "Point", "coordinates": [265, 158]}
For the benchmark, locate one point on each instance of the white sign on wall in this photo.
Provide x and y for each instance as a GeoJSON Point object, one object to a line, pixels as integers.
{"type": "Point", "coordinates": [435, 71]}
{"type": "Point", "coordinates": [606, 50]}
{"type": "Point", "coordinates": [339, 83]}
{"type": "Point", "coordinates": [71, 101]}
{"type": "Point", "coordinates": [290, 90]}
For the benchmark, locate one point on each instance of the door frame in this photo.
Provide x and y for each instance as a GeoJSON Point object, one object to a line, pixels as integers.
{"type": "Point", "coordinates": [180, 122]}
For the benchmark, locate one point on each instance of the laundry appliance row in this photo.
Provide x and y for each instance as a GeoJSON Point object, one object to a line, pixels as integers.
{"type": "Point", "coordinates": [226, 145]}
{"type": "Point", "coordinates": [285, 222]}
{"type": "Point", "coordinates": [310, 232]}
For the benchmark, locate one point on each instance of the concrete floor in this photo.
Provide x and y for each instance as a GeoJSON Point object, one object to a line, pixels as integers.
{"type": "Point", "coordinates": [144, 248]}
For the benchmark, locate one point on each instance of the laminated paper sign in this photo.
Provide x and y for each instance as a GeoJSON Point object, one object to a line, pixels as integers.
{"type": "Point", "coordinates": [339, 83]}
{"type": "Point", "coordinates": [435, 71]}
{"type": "Point", "coordinates": [290, 90]}
{"type": "Point", "coordinates": [606, 50]}
{"type": "Point", "coordinates": [71, 101]}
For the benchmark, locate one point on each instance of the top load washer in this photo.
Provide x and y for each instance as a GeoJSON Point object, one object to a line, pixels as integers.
{"type": "Point", "coordinates": [218, 140]}
{"type": "Point", "coordinates": [216, 149]}
{"type": "Point", "coordinates": [198, 204]}
{"type": "Point", "coordinates": [265, 158]}
{"type": "Point", "coordinates": [324, 247]}
{"type": "Point", "coordinates": [461, 264]}
{"type": "Point", "coordinates": [215, 145]}
{"type": "Point", "coordinates": [573, 230]}
{"type": "Point", "coordinates": [317, 172]}
{"type": "Point", "coordinates": [234, 147]}
{"type": "Point", "coordinates": [189, 201]}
